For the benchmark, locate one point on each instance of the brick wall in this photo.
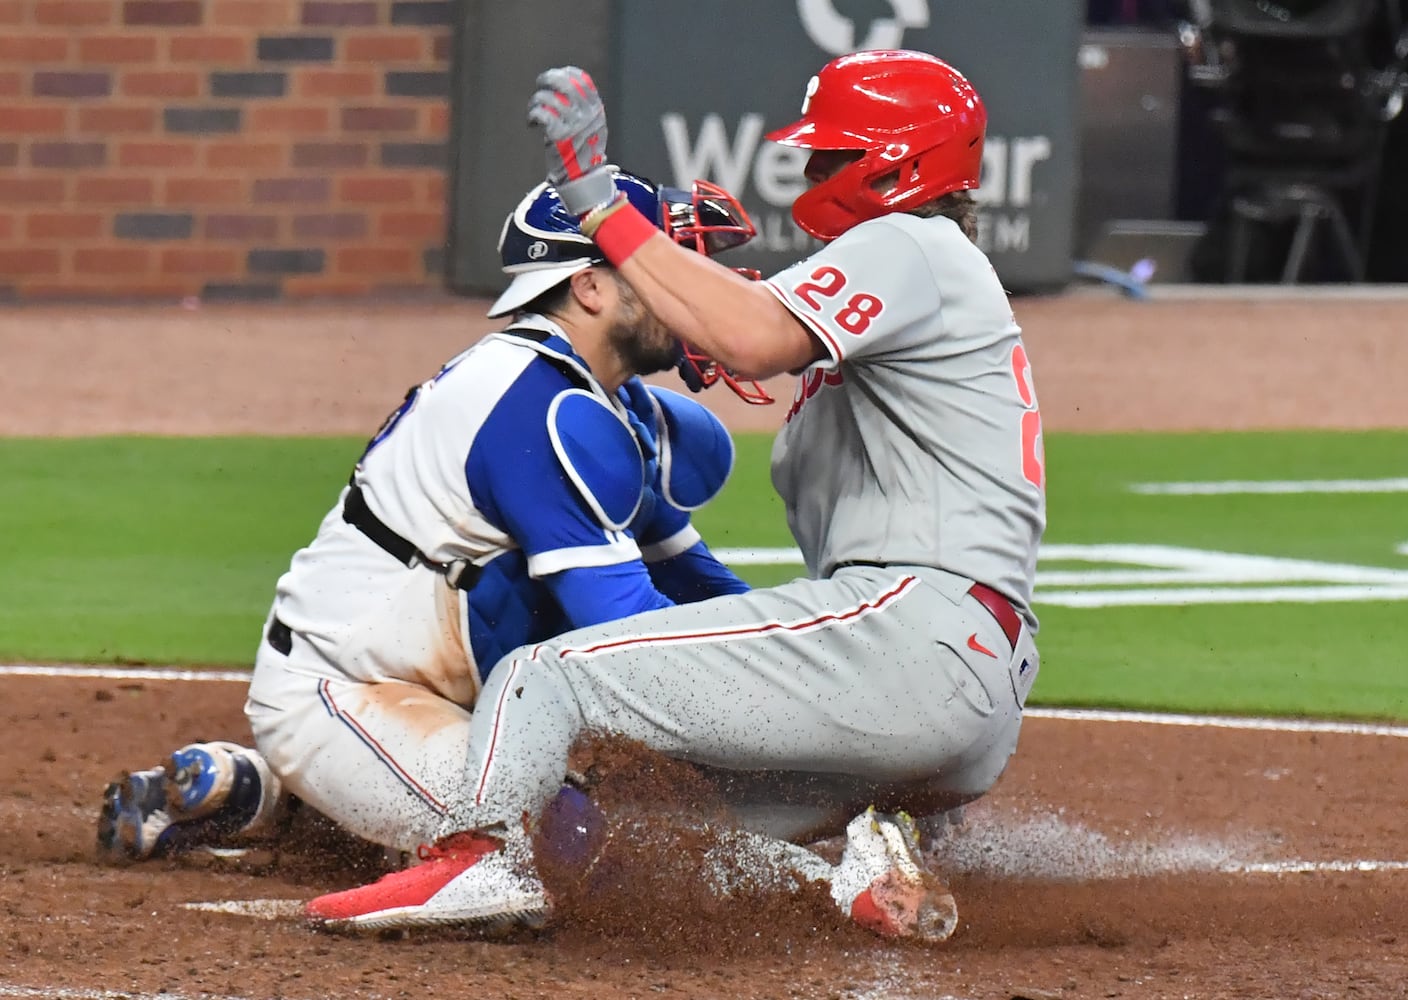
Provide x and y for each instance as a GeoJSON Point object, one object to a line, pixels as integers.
{"type": "Point", "coordinates": [245, 149]}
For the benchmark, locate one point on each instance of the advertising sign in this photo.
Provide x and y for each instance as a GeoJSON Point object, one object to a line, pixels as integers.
{"type": "Point", "coordinates": [692, 86]}
{"type": "Point", "coordinates": [696, 85]}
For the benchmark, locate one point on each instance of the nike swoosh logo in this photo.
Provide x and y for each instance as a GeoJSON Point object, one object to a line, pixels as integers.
{"type": "Point", "coordinates": [977, 646]}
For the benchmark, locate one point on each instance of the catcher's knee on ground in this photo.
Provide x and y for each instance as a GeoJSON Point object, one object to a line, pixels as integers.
{"type": "Point", "coordinates": [381, 760]}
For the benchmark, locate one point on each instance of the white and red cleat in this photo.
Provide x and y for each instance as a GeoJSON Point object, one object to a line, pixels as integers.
{"type": "Point", "coordinates": [883, 884]}
{"type": "Point", "coordinates": [464, 880]}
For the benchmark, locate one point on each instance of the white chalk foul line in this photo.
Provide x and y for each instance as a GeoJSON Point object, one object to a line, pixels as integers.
{"type": "Point", "coordinates": [1313, 867]}
{"type": "Point", "coordinates": [1233, 487]}
{"type": "Point", "coordinates": [1220, 722]}
{"type": "Point", "coordinates": [1067, 714]}
{"type": "Point", "coordinates": [259, 909]}
{"type": "Point", "coordinates": [79, 671]}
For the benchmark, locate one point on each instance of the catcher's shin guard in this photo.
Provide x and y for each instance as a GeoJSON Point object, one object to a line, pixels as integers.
{"type": "Point", "coordinates": [219, 791]}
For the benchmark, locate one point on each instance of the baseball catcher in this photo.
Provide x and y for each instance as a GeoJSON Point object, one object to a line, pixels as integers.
{"type": "Point", "coordinates": [534, 485]}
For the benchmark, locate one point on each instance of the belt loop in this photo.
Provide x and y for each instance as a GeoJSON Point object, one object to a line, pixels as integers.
{"type": "Point", "coordinates": [462, 574]}
{"type": "Point", "coordinates": [280, 637]}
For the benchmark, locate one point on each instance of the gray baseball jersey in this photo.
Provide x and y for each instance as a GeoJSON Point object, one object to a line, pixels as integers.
{"type": "Point", "coordinates": [915, 452]}
{"type": "Point", "coordinates": [918, 442]}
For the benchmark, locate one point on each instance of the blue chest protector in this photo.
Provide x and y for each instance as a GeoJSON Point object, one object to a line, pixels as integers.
{"type": "Point", "coordinates": [556, 468]}
{"type": "Point", "coordinates": [596, 497]}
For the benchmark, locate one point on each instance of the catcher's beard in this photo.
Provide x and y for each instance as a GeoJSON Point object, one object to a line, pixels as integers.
{"type": "Point", "coordinates": [644, 343]}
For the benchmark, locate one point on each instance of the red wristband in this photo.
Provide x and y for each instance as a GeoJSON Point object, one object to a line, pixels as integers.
{"type": "Point", "coordinates": [622, 232]}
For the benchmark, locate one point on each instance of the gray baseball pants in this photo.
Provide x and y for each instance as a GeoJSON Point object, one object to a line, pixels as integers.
{"type": "Point", "coordinates": [812, 700]}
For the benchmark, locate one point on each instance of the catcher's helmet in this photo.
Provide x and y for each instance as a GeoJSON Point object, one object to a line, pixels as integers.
{"type": "Point", "coordinates": [917, 122]}
{"type": "Point", "coordinates": [541, 243]}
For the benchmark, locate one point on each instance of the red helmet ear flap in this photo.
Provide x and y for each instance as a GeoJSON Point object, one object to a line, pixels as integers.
{"type": "Point", "coordinates": [914, 180]}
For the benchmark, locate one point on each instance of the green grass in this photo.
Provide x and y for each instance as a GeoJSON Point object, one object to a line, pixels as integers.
{"type": "Point", "coordinates": [1089, 501]}
{"type": "Point", "coordinates": [1254, 659]}
{"type": "Point", "coordinates": [1320, 659]}
{"type": "Point", "coordinates": [154, 550]}
{"type": "Point", "coordinates": [167, 551]}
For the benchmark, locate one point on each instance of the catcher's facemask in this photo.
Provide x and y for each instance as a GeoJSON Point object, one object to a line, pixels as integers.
{"type": "Point", "coordinates": [709, 220]}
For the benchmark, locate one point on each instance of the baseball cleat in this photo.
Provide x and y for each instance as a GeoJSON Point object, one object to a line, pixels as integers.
{"type": "Point", "coordinates": [202, 797]}
{"type": "Point", "coordinates": [466, 880]}
{"type": "Point", "coordinates": [884, 886]}
{"type": "Point", "coordinates": [134, 816]}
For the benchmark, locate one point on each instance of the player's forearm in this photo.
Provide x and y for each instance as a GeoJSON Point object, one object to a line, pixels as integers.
{"type": "Point", "coordinates": [594, 595]}
{"type": "Point", "coordinates": [695, 575]}
{"type": "Point", "coordinates": [737, 322]}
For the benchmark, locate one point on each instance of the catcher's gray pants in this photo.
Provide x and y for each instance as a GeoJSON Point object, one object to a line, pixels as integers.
{"type": "Point", "coordinates": [885, 685]}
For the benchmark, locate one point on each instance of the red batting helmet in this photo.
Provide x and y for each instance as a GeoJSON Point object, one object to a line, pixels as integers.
{"type": "Point", "coordinates": [917, 121]}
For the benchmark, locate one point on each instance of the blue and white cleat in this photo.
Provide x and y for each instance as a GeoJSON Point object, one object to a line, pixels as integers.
{"type": "Point", "coordinates": [134, 817]}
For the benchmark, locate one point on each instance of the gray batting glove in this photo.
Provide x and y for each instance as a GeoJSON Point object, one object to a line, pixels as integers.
{"type": "Point", "coordinates": [569, 110]}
